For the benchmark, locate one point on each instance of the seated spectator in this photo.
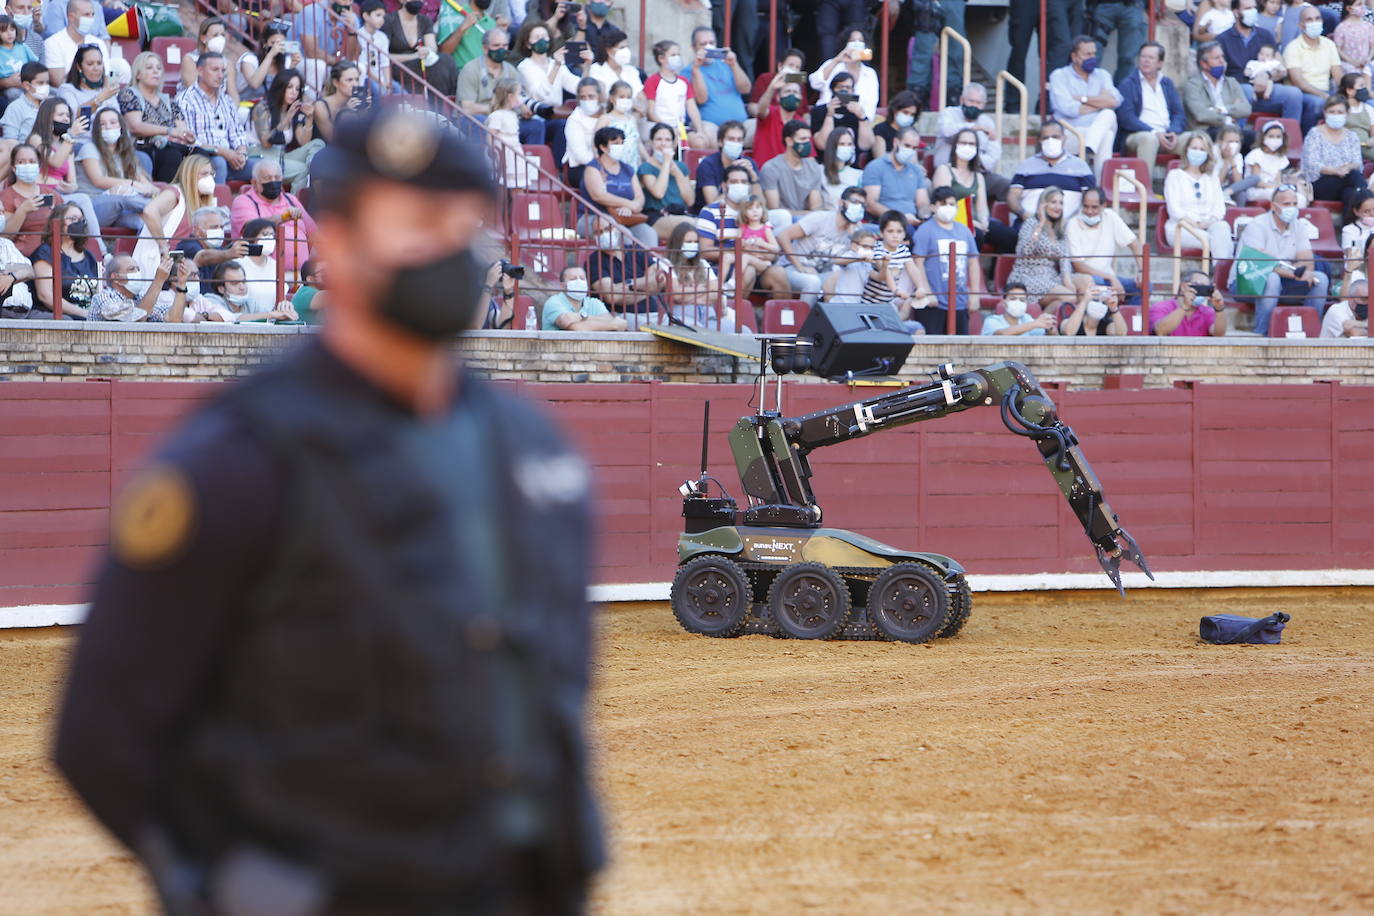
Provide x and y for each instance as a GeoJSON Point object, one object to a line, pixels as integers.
{"type": "Point", "coordinates": [477, 85]}
{"type": "Point", "coordinates": [1042, 265]}
{"type": "Point", "coordinates": [864, 79]}
{"type": "Point", "coordinates": [372, 43]}
{"type": "Point", "coordinates": [622, 276]}
{"type": "Point", "coordinates": [718, 226]}
{"type": "Point", "coordinates": [756, 236]}
{"type": "Point", "coordinates": [1354, 37]}
{"type": "Point", "coordinates": [14, 54]}
{"type": "Point", "coordinates": [1357, 228]}
{"type": "Point", "coordinates": [719, 84]}
{"type": "Point", "coordinates": [1252, 60]}
{"type": "Point", "coordinates": [212, 116]}
{"type": "Point", "coordinates": [965, 174]}
{"type": "Point", "coordinates": [340, 97]}
{"type": "Point", "coordinates": [108, 173]}
{"type": "Point", "coordinates": [930, 254]}
{"type": "Point", "coordinates": [30, 32]}
{"type": "Point", "coordinates": [285, 127]}
{"type": "Point", "coordinates": [666, 184]}
{"type": "Point", "coordinates": [266, 199]}
{"type": "Point", "coordinates": [581, 126]}
{"type": "Point", "coordinates": [260, 266]}
{"type": "Point", "coordinates": [609, 183]}
{"type": "Point", "coordinates": [461, 27]}
{"type": "Point", "coordinates": [1095, 236]}
{"type": "Point", "coordinates": [207, 248]}
{"type": "Point", "coordinates": [212, 36]}
{"type": "Point", "coordinates": [1284, 243]}
{"type": "Point", "coordinates": [80, 269]}
{"type": "Point", "coordinates": [711, 170]}
{"type": "Point", "coordinates": [1271, 16]}
{"type": "Point", "coordinates": [231, 301]}
{"type": "Point", "coordinates": [697, 297]}
{"type": "Point", "coordinates": [1314, 65]}
{"type": "Point", "coordinates": [837, 170]}
{"type": "Point", "coordinates": [1267, 161]}
{"type": "Point", "coordinates": [26, 214]}
{"type": "Point", "coordinates": [167, 215]}
{"type": "Point", "coordinates": [161, 137]}
{"type": "Point", "coordinates": [842, 109]}
{"type": "Point", "coordinates": [969, 115]}
{"type": "Point", "coordinates": [901, 113]}
{"type": "Point", "coordinates": [1095, 314]}
{"type": "Point", "coordinates": [620, 112]}
{"type": "Point", "coordinates": [1350, 316]}
{"type": "Point", "coordinates": [413, 43]}
{"type": "Point", "coordinates": [670, 98]}
{"type": "Point", "coordinates": [1193, 198]}
{"type": "Point", "coordinates": [593, 23]}
{"type": "Point", "coordinates": [517, 170]}
{"type": "Point", "coordinates": [1151, 115]}
{"type": "Point", "coordinates": [1197, 310]}
{"type": "Point", "coordinates": [1354, 88]}
{"type": "Point", "coordinates": [16, 125]}
{"type": "Point", "coordinates": [820, 242]}
{"type": "Point", "coordinates": [1051, 167]}
{"type": "Point", "coordinates": [1083, 96]}
{"type": "Point", "coordinates": [496, 304]}
{"type": "Point", "coordinates": [544, 73]}
{"type": "Point", "coordinates": [613, 62]}
{"type": "Point", "coordinates": [852, 273]}
{"type": "Point", "coordinates": [792, 64]}
{"type": "Point", "coordinates": [1212, 99]}
{"type": "Point", "coordinates": [1331, 157]}
{"type": "Point", "coordinates": [1229, 168]}
{"type": "Point", "coordinates": [1213, 18]}
{"type": "Point", "coordinates": [123, 298]}
{"type": "Point", "coordinates": [781, 103]}
{"type": "Point", "coordinates": [59, 49]}
{"type": "Point", "coordinates": [894, 279]}
{"type": "Point", "coordinates": [86, 84]}
{"type": "Point", "coordinates": [56, 133]}
{"type": "Point", "coordinates": [16, 274]}
{"type": "Point", "coordinates": [254, 74]}
{"type": "Point", "coordinates": [1013, 321]}
{"type": "Point", "coordinates": [792, 182]}
{"type": "Point", "coordinates": [573, 309]}
{"type": "Point", "coordinates": [897, 181]}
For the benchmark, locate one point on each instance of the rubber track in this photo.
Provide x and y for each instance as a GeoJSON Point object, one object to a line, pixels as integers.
{"type": "Point", "coordinates": [960, 609]}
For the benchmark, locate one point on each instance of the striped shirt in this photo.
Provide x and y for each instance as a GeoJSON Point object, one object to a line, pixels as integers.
{"type": "Point", "coordinates": [875, 290]}
{"type": "Point", "coordinates": [1071, 174]}
{"type": "Point", "coordinates": [214, 121]}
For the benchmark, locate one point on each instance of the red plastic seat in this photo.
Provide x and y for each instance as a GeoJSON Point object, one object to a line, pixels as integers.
{"type": "Point", "coordinates": [1326, 242]}
{"type": "Point", "coordinates": [1135, 323]}
{"type": "Point", "coordinates": [975, 323]}
{"type": "Point", "coordinates": [1290, 127]}
{"type": "Point", "coordinates": [744, 319]}
{"type": "Point", "coordinates": [784, 316]}
{"type": "Point", "coordinates": [1190, 247]}
{"type": "Point", "coordinates": [1001, 212]}
{"type": "Point", "coordinates": [171, 71]}
{"type": "Point", "coordinates": [517, 319]}
{"type": "Point", "coordinates": [223, 196]}
{"type": "Point", "coordinates": [693, 159]}
{"type": "Point", "coordinates": [1221, 277]}
{"type": "Point", "coordinates": [1002, 271]}
{"type": "Point", "coordinates": [548, 179]}
{"type": "Point", "coordinates": [1129, 198]}
{"type": "Point", "coordinates": [1283, 317]}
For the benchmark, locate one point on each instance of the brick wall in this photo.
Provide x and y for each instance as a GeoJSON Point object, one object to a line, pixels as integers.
{"type": "Point", "coordinates": [31, 350]}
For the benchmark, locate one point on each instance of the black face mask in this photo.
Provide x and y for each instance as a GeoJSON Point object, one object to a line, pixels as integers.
{"type": "Point", "coordinates": [60, 129]}
{"type": "Point", "coordinates": [1362, 95]}
{"type": "Point", "coordinates": [1362, 311]}
{"type": "Point", "coordinates": [789, 103]}
{"type": "Point", "coordinates": [437, 300]}
{"type": "Point", "coordinates": [971, 112]}
{"type": "Point", "coordinates": [414, 7]}
{"type": "Point", "coordinates": [482, 4]}
{"type": "Point", "coordinates": [78, 231]}
{"type": "Point", "coordinates": [271, 189]}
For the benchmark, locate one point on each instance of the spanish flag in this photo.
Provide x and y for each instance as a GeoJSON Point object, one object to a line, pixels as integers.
{"type": "Point", "coordinates": [964, 212]}
{"type": "Point", "coordinates": [124, 23]}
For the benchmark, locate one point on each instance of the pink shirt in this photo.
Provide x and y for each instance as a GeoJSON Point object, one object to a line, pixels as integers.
{"type": "Point", "coordinates": [1198, 324]}
{"type": "Point", "coordinates": [293, 245]}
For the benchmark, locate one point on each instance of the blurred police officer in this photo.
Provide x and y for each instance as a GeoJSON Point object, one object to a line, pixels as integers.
{"type": "Point", "coordinates": [337, 657]}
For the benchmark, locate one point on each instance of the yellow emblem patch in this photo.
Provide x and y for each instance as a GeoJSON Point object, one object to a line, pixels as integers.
{"type": "Point", "coordinates": [153, 518]}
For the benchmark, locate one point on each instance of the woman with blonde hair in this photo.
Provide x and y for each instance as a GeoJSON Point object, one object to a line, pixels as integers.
{"type": "Point", "coordinates": [161, 137]}
{"type": "Point", "coordinates": [1042, 252]}
{"type": "Point", "coordinates": [167, 216]}
{"type": "Point", "coordinates": [1194, 198]}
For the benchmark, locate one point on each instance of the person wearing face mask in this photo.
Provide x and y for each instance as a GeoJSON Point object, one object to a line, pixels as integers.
{"type": "Point", "coordinates": [1331, 157]}
{"type": "Point", "coordinates": [1212, 99]}
{"type": "Point", "coordinates": [610, 183]}
{"type": "Point", "coordinates": [1350, 316]}
{"type": "Point", "coordinates": [462, 27]}
{"type": "Point", "coordinates": [266, 199]}
{"type": "Point", "coordinates": [710, 174]}
{"type": "Point", "coordinates": [86, 83]}
{"type": "Point", "coordinates": [80, 268]}
{"type": "Point", "coordinates": [838, 168]}
{"type": "Point", "coordinates": [719, 225]}
{"type": "Point", "coordinates": [208, 246]}
{"type": "Point", "coordinates": [969, 115]}
{"type": "Point", "coordinates": [902, 111]}
{"type": "Point", "coordinates": [1197, 311]}
{"type": "Point", "coordinates": [121, 298]}
{"type": "Point", "coordinates": [1268, 160]}
{"type": "Point", "coordinates": [573, 309]}
{"type": "Point", "coordinates": [842, 109]}
{"type": "Point", "coordinates": [1151, 116]}
{"type": "Point", "coordinates": [1095, 314]}
{"type": "Point", "coordinates": [109, 174]}
{"type": "Point", "coordinates": [477, 85]}
{"type": "Point", "coordinates": [931, 256]}
{"type": "Point", "coordinates": [27, 215]}
{"type": "Point", "coordinates": [1357, 226]}
{"type": "Point", "coordinates": [1354, 88]}
{"type": "Point", "coordinates": [781, 103]}
{"type": "Point", "coordinates": [1095, 237]}
{"type": "Point", "coordinates": [719, 83]}
{"type": "Point", "coordinates": [667, 186]}
{"type": "Point", "coordinates": [16, 124]}
{"type": "Point", "coordinates": [1051, 167]}
{"type": "Point", "coordinates": [850, 59]}
{"type": "Point", "coordinates": [792, 181]}
{"type": "Point", "coordinates": [14, 54]}
{"type": "Point", "coordinates": [1252, 60]}
{"type": "Point", "coordinates": [1314, 65]}
{"type": "Point", "coordinates": [898, 182]}
{"type": "Point", "coordinates": [1013, 319]}
{"type": "Point", "coordinates": [413, 43]}
{"type": "Point", "coordinates": [260, 270]}
{"type": "Point", "coordinates": [322, 28]}
{"type": "Point", "coordinates": [613, 62]}
{"type": "Point", "coordinates": [820, 242]}
{"type": "Point", "coordinates": [1194, 200]}
{"type": "Point", "coordinates": [581, 126]}
{"type": "Point", "coordinates": [621, 113]}
{"type": "Point", "coordinates": [83, 27]}
{"type": "Point", "coordinates": [670, 98]}
{"type": "Point", "coordinates": [31, 27]}
{"type": "Point", "coordinates": [1082, 95]}
{"type": "Point", "coordinates": [620, 273]}
{"type": "Point", "coordinates": [696, 297]}
{"type": "Point", "coordinates": [1276, 248]}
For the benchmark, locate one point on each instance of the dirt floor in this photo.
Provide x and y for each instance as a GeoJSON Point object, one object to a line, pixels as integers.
{"type": "Point", "coordinates": [1068, 753]}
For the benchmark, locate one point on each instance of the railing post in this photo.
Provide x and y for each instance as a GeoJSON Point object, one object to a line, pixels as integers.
{"type": "Point", "coordinates": [772, 36]}
{"type": "Point", "coordinates": [281, 265]}
{"type": "Point", "coordinates": [643, 28]}
{"type": "Point", "coordinates": [1002, 78]}
{"type": "Point", "coordinates": [725, 40]}
{"type": "Point", "coordinates": [1044, 56]}
{"type": "Point", "coordinates": [56, 227]}
{"type": "Point", "coordinates": [952, 268]}
{"type": "Point", "coordinates": [739, 272]}
{"type": "Point", "coordinates": [1150, 16]}
{"type": "Point", "coordinates": [883, 53]}
{"type": "Point", "coordinates": [945, 33]}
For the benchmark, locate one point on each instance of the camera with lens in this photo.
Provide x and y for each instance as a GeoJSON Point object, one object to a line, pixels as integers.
{"type": "Point", "coordinates": [278, 25]}
{"type": "Point", "coordinates": [514, 271]}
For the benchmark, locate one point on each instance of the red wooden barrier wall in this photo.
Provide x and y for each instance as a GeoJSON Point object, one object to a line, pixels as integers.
{"type": "Point", "coordinates": [1207, 477]}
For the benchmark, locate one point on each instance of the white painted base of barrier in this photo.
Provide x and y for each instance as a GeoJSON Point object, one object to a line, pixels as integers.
{"type": "Point", "coordinates": [58, 615]}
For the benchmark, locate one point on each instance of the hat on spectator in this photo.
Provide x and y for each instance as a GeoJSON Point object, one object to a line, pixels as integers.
{"type": "Point", "coordinates": [403, 146]}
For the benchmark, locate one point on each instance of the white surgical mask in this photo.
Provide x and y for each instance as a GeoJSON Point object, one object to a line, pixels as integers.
{"type": "Point", "coordinates": [137, 286]}
{"type": "Point", "coordinates": [1197, 156]}
{"type": "Point", "coordinates": [214, 236]}
{"type": "Point", "coordinates": [1014, 307]}
{"type": "Point", "coordinates": [1288, 214]}
{"type": "Point", "coordinates": [690, 249]}
{"type": "Point", "coordinates": [269, 245]}
{"type": "Point", "coordinates": [606, 240]}
{"type": "Point", "coordinates": [110, 135]}
{"type": "Point", "coordinates": [845, 153]}
{"type": "Point", "coordinates": [1091, 220]}
{"type": "Point", "coordinates": [206, 185]}
{"type": "Point", "coordinates": [966, 151]}
{"type": "Point", "coordinates": [732, 149]}
{"type": "Point", "coordinates": [26, 172]}
{"type": "Point", "coordinates": [906, 155]}
{"type": "Point", "coordinates": [239, 302]}
{"type": "Point", "coordinates": [590, 107]}
{"type": "Point", "coordinates": [85, 25]}
{"type": "Point", "coordinates": [855, 46]}
{"type": "Point", "coordinates": [577, 289]}
{"type": "Point", "coordinates": [737, 193]}
{"type": "Point", "coordinates": [945, 213]}
{"type": "Point", "coordinates": [853, 211]}
{"type": "Point", "coordinates": [1249, 17]}
{"type": "Point", "coordinates": [623, 105]}
{"type": "Point", "coordinates": [1335, 121]}
{"type": "Point", "coordinates": [1313, 28]}
{"type": "Point", "coordinates": [216, 44]}
{"type": "Point", "coordinates": [622, 56]}
{"type": "Point", "coordinates": [1096, 309]}
{"type": "Point", "coordinates": [41, 90]}
{"type": "Point", "coordinates": [24, 20]}
{"type": "Point", "coordinates": [675, 62]}
{"type": "Point", "coordinates": [617, 151]}
{"type": "Point", "coordinates": [1052, 147]}
{"type": "Point", "coordinates": [1273, 143]}
{"type": "Point", "coordinates": [904, 119]}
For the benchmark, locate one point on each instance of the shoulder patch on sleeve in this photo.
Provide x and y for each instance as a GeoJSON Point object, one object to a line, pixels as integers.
{"type": "Point", "coordinates": [153, 518]}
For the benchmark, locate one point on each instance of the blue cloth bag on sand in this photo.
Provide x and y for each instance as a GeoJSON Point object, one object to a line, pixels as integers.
{"type": "Point", "coordinates": [1232, 629]}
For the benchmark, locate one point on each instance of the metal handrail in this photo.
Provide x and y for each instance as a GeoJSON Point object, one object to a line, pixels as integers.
{"type": "Point", "coordinates": [945, 33]}
{"type": "Point", "coordinates": [1077, 135]}
{"type": "Point", "coordinates": [1142, 222]}
{"type": "Point", "coordinates": [1179, 227]}
{"type": "Point", "coordinates": [1005, 77]}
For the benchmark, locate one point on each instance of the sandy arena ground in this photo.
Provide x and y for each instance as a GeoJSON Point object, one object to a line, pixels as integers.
{"type": "Point", "coordinates": [1069, 753]}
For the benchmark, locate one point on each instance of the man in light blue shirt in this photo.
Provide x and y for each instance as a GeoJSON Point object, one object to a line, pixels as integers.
{"type": "Point", "coordinates": [897, 181]}
{"type": "Point", "coordinates": [1083, 97]}
{"type": "Point", "coordinates": [718, 84]}
{"type": "Point", "coordinates": [574, 310]}
{"type": "Point", "coordinates": [1012, 320]}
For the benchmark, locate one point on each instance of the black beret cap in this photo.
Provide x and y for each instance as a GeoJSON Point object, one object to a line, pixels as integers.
{"type": "Point", "coordinates": [409, 147]}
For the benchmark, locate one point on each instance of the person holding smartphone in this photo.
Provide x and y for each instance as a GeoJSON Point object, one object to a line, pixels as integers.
{"type": "Point", "coordinates": [27, 207]}
{"type": "Point", "coordinates": [88, 88]}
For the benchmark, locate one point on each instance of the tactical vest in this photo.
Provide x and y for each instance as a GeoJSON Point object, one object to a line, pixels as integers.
{"type": "Point", "coordinates": [374, 720]}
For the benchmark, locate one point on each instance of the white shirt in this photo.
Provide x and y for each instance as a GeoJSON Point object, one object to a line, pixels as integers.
{"type": "Point", "coordinates": [849, 177]}
{"type": "Point", "coordinates": [538, 86]}
{"type": "Point", "coordinates": [59, 50]}
{"type": "Point", "coordinates": [262, 295]}
{"type": "Point", "coordinates": [1336, 317]}
{"type": "Point", "coordinates": [865, 86]}
{"type": "Point", "coordinates": [578, 133]}
{"type": "Point", "coordinates": [1197, 199]}
{"type": "Point", "coordinates": [1270, 164]}
{"type": "Point", "coordinates": [373, 55]}
{"type": "Point", "coordinates": [1154, 110]}
{"type": "Point", "coordinates": [1099, 244]}
{"type": "Point", "coordinates": [1354, 235]}
{"type": "Point", "coordinates": [607, 77]}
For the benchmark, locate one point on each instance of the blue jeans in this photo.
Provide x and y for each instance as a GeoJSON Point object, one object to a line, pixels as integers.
{"type": "Point", "coordinates": [1311, 111]}
{"type": "Point", "coordinates": [224, 174]}
{"type": "Point", "coordinates": [1128, 285]}
{"type": "Point", "coordinates": [920, 74]}
{"type": "Point", "coordinates": [1127, 21]}
{"type": "Point", "coordinates": [1277, 287]}
{"type": "Point", "coordinates": [533, 131]}
{"type": "Point", "coordinates": [1284, 101]}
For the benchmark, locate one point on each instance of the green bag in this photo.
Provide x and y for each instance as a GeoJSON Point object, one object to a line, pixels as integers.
{"type": "Point", "coordinates": [1252, 271]}
{"type": "Point", "coordinates": [160, 20]}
